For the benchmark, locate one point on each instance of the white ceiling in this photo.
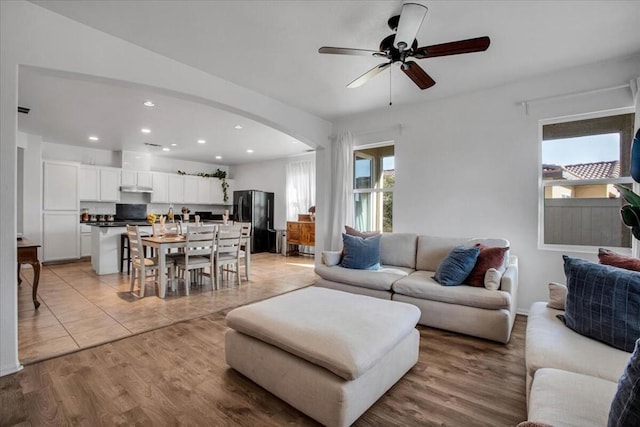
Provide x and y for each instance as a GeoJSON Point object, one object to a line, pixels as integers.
{"type": "Point", "coordinates": [272, 46]}
{"type": "Point", "coordinates": [67, 109]}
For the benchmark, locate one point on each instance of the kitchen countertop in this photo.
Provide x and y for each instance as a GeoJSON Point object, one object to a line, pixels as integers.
{"type": "Point", "coordinates": [115, 223]}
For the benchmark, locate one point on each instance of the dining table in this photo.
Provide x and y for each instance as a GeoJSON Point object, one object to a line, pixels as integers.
{"type": "Point", "coordinates": [163, 243]}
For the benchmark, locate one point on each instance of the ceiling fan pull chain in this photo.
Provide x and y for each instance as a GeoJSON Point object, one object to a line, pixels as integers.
{"type": "Point", "coordinates": [390, 103]}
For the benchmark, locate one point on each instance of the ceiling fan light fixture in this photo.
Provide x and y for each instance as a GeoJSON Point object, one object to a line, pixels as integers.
{"type": "Point", "coordinates": [411, 19]}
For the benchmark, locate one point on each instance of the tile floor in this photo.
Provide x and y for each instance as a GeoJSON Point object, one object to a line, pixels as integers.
{"type": "Point", "coordinates": [80, 309]}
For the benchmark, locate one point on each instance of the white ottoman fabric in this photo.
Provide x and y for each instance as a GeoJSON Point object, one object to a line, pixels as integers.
{"type": "Point", "coordinates": [344, 333]}
{"type": "Point", "coordinates": [328, 353]}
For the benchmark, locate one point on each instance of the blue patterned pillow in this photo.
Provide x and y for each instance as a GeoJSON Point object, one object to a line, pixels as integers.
{"type": "Point", "coordinates": [625, 408]}
{"type": "Point", "coordinates": [603, 302]}
{"type": "Point", "coordinates": [456, 266]}
{"type": "Point", "coordinates": [361, 253]}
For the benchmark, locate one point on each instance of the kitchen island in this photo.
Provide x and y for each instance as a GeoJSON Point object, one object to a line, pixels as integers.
{"type": "Point", "coordinates": [105, 245]}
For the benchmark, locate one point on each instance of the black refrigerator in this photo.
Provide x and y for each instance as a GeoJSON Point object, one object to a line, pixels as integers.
{"type": "Point", "coordinates": [256, 207]}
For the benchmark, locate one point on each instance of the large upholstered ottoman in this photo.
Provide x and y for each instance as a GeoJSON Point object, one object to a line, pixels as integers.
{"type": "Point", "coordinates": [328, 353]}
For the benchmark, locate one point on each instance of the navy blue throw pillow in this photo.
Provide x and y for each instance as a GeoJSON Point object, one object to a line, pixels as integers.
{"type": "Point", "coordinates": [456, 266]}
{"type": "Point", "coordinates": [625, 408]}
{"type": "Point", "coordinates": [361, 253]}
{"type": "Point", "coordinates": [603, 302]}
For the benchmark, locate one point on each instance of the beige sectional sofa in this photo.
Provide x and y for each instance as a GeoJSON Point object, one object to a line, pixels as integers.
{"type": "Point", "coordinates": [571, 379]}
{"type": "Point", "coordinates": [408, 263]}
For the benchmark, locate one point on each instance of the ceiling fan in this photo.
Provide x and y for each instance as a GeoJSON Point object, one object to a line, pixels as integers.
{"type": "Point", "coordinates": [402, 45]}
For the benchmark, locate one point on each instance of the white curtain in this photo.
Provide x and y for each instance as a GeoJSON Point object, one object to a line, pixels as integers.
{"type": "Point", "coordinates": [301, 187]}
{"type": "Point", "coordinates": [341, 212]}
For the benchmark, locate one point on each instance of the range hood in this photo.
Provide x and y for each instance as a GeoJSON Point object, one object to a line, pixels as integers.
{"type": "Point", "coordinates": [135, 189]}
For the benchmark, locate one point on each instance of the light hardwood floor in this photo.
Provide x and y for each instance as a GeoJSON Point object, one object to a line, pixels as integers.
{"type": "Point", "coordinates": [176, 375]}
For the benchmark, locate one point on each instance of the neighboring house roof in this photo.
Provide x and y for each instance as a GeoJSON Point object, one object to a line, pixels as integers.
{"type": "Point", "coordinates": [597, 170]}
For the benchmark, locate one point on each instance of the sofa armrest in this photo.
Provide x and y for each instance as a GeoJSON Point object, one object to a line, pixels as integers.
{"type": "Point", "coordinates": [509, 281]}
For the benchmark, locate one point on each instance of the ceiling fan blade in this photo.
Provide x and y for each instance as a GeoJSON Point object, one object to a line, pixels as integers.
{"type": "Point", "coordinates": [369, 75]}
{"type": "Point", "coordinates": [411, 18]}
{"type": "Point", "coordinates": [478, 44]}
{"type": "Point", "coordinates": [348, 51]}
{"type": "Point", "coordinates": [418, 75]}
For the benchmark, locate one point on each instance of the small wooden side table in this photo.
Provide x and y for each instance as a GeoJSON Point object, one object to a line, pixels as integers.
{"type": "Point", "coordinates": [28, 254]}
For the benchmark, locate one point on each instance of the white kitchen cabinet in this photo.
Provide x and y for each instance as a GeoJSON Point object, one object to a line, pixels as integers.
{"type": "Point", "coordinates": [176, 188]}
{"type": "Point", "coordinates": [144, 179]}
{"type": "Point", "coordinates": [89, 183]}
{"type": "Point", "coordinates": [85, 240]}
{"type": "Point", "coordinates": [204, 190]}
{"type": "Point", "coordinates": [61, 187]}
{"type": "Point", "coordinates": [61, 236]}
{"type": "Point", "coordinates": [160, 185]}
{"type": "Point", "coordinates": [130, 177]}
{"type": "Point", "coordinates": [109, 185]}
{"type": "Point", "coordinates": [190, 189]}
{"type": "Point", "coordinates": [217, 194]}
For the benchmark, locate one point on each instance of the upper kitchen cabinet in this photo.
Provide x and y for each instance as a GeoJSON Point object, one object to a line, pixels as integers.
{"type": "Point", "coordinates": [204, 190]}
{"type": "Point", "coordinates": [99, 184]}
{"type": "Point", "coordinates": [217, 193]}
{"type": "Point", "coordinates": [135, 178]}
{"type": "Point", "coordinates": [160, 185]}
{"type": "Point", "coordinates": [89, 183]}
{"type": "Point", "coordinates": [109, 184]}
{"type": "Point", "coordinates": [190, 189]}
{"type": "Point", "coordinates": [60, 186]}
{"type": "Point", "coordinates": [176, 189]}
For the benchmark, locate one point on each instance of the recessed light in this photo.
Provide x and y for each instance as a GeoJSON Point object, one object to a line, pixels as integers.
{"type": "Point", "coordinates": [145, 130]}
{"type": "Point", "coordinates": [202, 141]}
{"type": "Point", "coordinates": [174, 145]}
{"type": "Point", "coordinates": [149, 104]}
{"type": "Point", "coordinates": [166, 149]}
{"type": "Point", "coordinates": [93, 138]}
{"type": "Point", "coordinates": [238, 127]}
{"type": "Point", "coordinates": [249, 151]}
{"type": "Point", "coordinates": [218, 157]}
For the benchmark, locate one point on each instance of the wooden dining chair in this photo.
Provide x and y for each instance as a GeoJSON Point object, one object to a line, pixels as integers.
{"type": "Point", "coordinates": [140, 264]}
{"type": "Point", "coordinates": [227, 252]}
{"type": "Point", "coordinates": [245, 247]}
{"type": "Point", "coordinates": [198, 252]}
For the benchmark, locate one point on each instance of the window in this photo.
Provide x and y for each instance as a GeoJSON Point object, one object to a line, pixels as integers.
{"type": "Point", "coordinates": [373, 182]}
{"type": "Point", "coordinates": [581, 161]}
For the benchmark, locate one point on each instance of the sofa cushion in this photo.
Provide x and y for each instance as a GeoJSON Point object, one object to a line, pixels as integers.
{"type": "Point", "coordinates": [381, 279]}
{"type": "Point", "coordinates": [561, 398]}
{"type": "Point", "coordinates": [432, 250]}
{"type": "Point", "coordinates": [360, 253]}
{"type": "Point", "coordinates": [359, 330]}
{"type": "Point", "coordinates": [550, 344]}
{"type": "Point", "coordinates": [398, 249]}
{"type": "Point", "coordinates": [454, 269]}
{"type": "Point", "coordinates": [607, 257]}
{"type": "Point", "coordinates": [487, 258]}
{"type": "Point", "coordinates": [603, 302]}
{"type": "Point", "coordinates": [557, 296]}
{"type": "Point", "coordinates": [420, 284]}
{"type": "Point", "coordinates": [625, 407]}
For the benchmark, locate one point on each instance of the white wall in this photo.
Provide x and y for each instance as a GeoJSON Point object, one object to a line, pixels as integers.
{"type": "Point", "coordinates": [268, 176]}
{"type": "Point", "coordinates": [469, 165]}
{"type": "Point", "coordinates": [33, 36]}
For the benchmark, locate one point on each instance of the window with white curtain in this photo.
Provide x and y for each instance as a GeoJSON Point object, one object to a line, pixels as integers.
{"type": "Point", "coordinates": [301, 187]}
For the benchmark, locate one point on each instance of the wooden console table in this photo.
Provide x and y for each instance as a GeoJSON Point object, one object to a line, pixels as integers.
{"type": "Point", "coordinates": [300, 233]}
{"type": "Point", "coordinates": [28, 254]}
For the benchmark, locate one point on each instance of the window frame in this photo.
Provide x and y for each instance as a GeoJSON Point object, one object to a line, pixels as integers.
{"type": "Point", "coordinates": [378, 170]}
{"type": "Point", "coordinates": [542, 184]}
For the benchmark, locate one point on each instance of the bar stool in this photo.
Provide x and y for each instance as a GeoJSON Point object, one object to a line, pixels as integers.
{"type": "Point", "coordinates": [124, 246]}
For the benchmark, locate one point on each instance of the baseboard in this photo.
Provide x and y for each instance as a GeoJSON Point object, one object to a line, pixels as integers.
{"type": "Point", "coordinates": [8, 370]}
